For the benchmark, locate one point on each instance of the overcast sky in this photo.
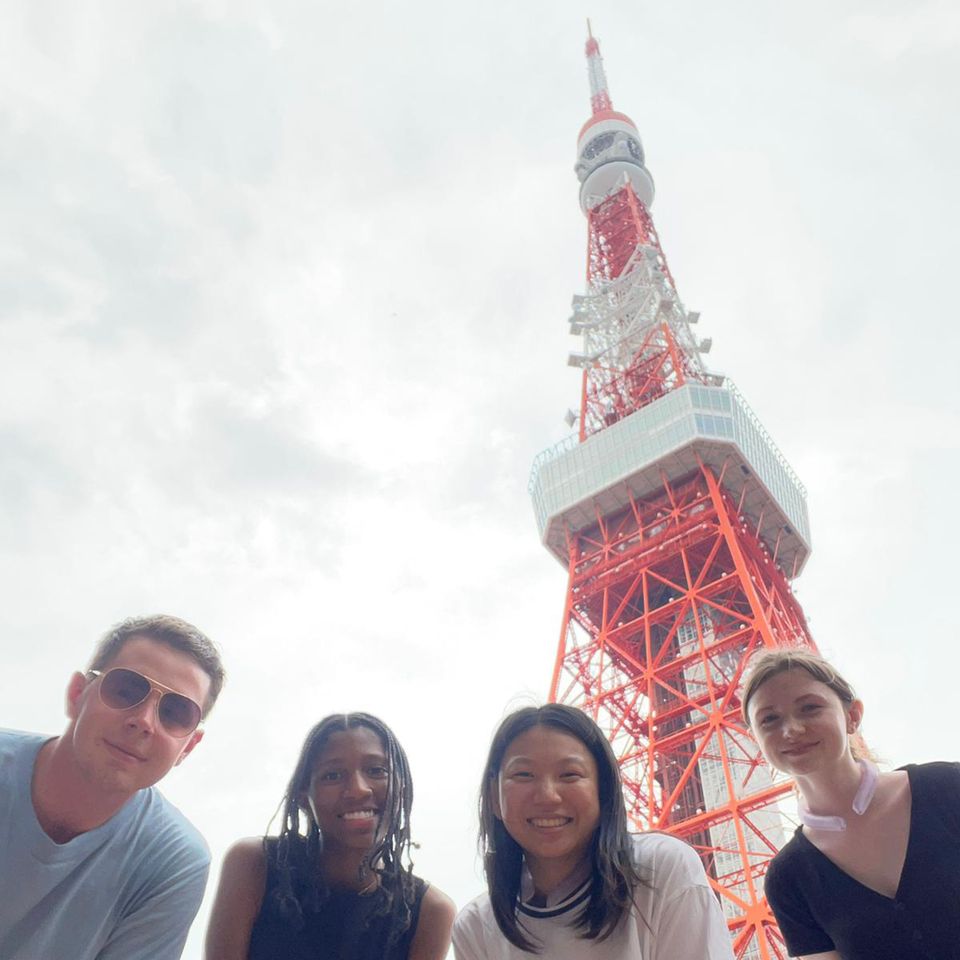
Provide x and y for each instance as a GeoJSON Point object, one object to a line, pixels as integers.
{"type": "Point", "coordinates": [283, 302]}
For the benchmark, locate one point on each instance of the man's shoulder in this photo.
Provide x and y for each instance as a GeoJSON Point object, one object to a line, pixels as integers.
{"type": "Point", "coordinates": [157, 826]}
{"type": "Point", "coordinates": [13, 741]}
{"type": "Point", "coordinates": [18, 750]}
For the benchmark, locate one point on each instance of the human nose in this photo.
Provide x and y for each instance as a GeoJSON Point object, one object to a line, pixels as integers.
{"type": "Point", "coordinates": [357, 785]}
{"type": "Point", "coordinates": [145, 714]}
{"type": "Point", "coordinates": [548, 790]}
{"type": "Point", "coordinates": [793, 726]}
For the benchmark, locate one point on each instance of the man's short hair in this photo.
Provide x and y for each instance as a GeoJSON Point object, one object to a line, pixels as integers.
{"type": "Point", "coordinates": [175, 633]}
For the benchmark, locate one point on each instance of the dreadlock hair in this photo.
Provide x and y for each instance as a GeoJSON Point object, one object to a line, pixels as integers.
{"type": "Point", "coordinates": [614, 875]}
{"type": "Point", "coordinates": [297, 852]}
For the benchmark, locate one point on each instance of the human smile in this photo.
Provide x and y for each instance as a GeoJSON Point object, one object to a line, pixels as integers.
{"type": "Point", "coordinates": [798, 749]}
{"type": "Point", "coordinates": [549, 822]}
{"type": "Point", "coordinates": [366, 814]}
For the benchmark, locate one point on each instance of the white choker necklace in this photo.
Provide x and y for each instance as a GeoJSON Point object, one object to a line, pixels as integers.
{"type": "Point", "coordinates": [869, 775]}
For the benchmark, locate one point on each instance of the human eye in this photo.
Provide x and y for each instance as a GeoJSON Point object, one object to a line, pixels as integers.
{"type": "Point", "coordinates": [811, 707]}
{"type": "Point", "coordinates": [329, 776]}
{"type": "Point", "coordinates": [572, 775]}
{"type": "Point", "coordinates": [768, 719]}
{"type": "Point", "coordinates": [521, 774]}
{"type": "Point", "coordinates": [378, 771]}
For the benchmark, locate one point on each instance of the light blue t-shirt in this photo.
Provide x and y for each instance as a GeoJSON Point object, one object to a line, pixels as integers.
{"type": "Point", "coordinates": [127, 890]}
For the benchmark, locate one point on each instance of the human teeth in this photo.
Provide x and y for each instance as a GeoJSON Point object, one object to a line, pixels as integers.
{"type": "Point", "coordinates": [359, 815]}
{"type": "Point", "coordinates": [549, 821]}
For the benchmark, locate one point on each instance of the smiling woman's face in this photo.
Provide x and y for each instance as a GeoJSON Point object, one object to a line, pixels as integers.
{"type": "Point", "coordinates": [547, 796]}
{"type": "Point", "coordinates": [348, 789]}
{"type": "Point", "coordinates": [800, 724]}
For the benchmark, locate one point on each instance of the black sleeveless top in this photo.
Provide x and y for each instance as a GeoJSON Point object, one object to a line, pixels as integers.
{"type": "Point", "coordinates": [346, 927]}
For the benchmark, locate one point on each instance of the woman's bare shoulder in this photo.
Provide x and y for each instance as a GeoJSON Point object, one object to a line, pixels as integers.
{"type": "Point", "coordinates": [243, 880]}
{"type": "Point", "coordinates": [247, 852]}
{"type": "Point", "coordinates": [432, 938]}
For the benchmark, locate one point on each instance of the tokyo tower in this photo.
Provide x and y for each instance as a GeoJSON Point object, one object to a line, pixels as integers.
{"type": "Point", "coordinates": [681, 526]}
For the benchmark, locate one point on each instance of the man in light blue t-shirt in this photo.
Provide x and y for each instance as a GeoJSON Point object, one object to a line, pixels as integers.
{"type": "Point", "coordinates": [94, 863]}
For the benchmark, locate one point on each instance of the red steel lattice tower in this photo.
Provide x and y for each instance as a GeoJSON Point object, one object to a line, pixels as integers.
{"type": "Point", "coordinates": [681, 526]}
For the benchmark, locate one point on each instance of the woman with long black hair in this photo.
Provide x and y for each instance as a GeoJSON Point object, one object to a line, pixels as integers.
{"type": "Point", "coordinates": [337, 883]}
{"type": "Point", "coordinates": [565, 878]}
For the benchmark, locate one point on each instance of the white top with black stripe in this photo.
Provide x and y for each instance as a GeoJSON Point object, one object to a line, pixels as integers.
{"type": "Point", "coordinates": [683, 918]}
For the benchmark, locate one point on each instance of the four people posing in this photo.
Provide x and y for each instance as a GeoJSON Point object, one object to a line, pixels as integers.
{"type": "Point", "coordinates": [96, 865]}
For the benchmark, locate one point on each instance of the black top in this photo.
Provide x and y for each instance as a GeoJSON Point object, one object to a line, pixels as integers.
{"type": "Point", "coordinates": [821, 908]}
{"type": "Point", "coordinates": [347, 925]}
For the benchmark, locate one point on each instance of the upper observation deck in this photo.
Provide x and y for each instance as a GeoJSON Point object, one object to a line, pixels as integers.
{"type": "Point", "coordinates": [572, 481]}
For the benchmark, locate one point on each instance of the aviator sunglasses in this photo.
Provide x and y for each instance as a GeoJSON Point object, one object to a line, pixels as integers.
{"type": "Point", "coordinates": [121, 689]}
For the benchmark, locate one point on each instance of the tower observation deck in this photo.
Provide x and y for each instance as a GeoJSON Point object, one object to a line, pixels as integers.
{"type": "Point", "coordinates": [680, 525]}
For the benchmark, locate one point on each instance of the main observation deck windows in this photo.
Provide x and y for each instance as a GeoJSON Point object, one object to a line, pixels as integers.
{"type": "Point", "coordinates": [716, 426]}
{"type": "Point", "coordinates": [568, 477]}
{"type": "Point", "coordinates": [710, 399]}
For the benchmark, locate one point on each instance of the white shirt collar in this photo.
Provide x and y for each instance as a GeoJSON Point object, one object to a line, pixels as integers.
{"type": "Point", "coordinates": [571, 884]}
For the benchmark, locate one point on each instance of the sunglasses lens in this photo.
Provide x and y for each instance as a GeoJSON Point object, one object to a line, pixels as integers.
{"type": "Point", "coordinates": [179, 714]}
{"type": "Point", "coordinates": [122, 689]}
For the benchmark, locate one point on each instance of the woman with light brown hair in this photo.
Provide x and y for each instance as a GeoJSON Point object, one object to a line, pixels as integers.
{"type": "Point", "coordinates": [874, 869]}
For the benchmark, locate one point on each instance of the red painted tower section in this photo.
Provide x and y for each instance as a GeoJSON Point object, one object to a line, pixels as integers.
{"type": "Point", "coordinates": [681, 526]}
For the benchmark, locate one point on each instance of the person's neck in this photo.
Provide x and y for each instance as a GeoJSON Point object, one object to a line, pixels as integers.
{"type": "Point", "coordinates": [348, 870]}
{"type": "Point", "coordinates": [550, 875]}
{"type": "Point", "coordinates": [831, 792]}
{"type": "Point", "coordinates": [66, 803]}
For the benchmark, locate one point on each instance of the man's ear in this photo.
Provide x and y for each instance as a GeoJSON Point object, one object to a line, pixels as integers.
{"type": "Point", "coordinates": [195, 738]}
{"type": "Point", "coordinates": [75, 688]}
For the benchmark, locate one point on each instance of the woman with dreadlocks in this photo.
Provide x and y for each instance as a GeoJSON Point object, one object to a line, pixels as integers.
{"type": "Point", "coordinates": [337, 882]}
